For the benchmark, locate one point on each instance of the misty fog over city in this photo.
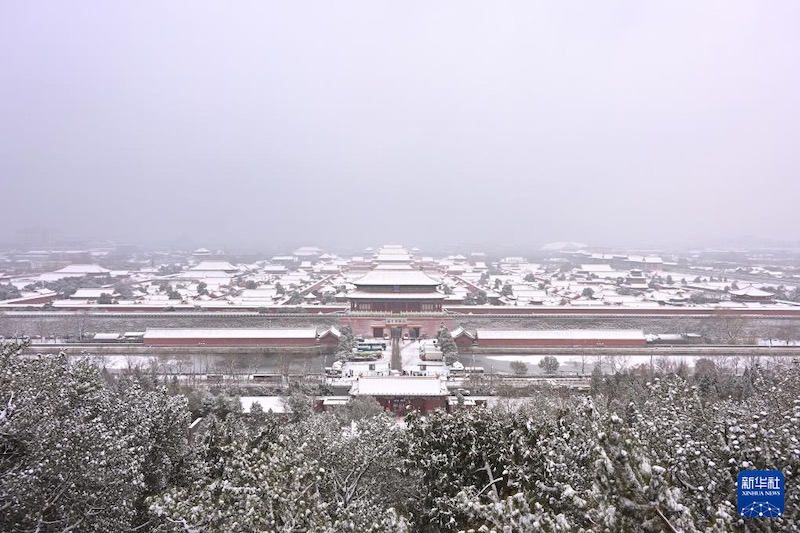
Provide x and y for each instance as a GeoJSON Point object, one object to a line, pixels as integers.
{"type": "Point", "coordinates": [436, 267]}
{"type": "Point", "coordinates": [343, 124]}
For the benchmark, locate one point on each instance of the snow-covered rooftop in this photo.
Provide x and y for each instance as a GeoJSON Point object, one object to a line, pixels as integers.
{"type": "Point", "coordinates": [461, 331]}
{"type": "Point", "coordinates": [399, 386]}
{"type": "Point", "coordinates": [645, 259]}
{"type": "Point", "coordinates": [573, 334]}
{"type": "Point", "coordinates": [751, 292]}
{"type": "Point", "coordinates": [230, 333]}
{"type": "Point", "coordinates": [396, 277]}
{"type": "Point", "coordinates": [262, 293]}
{"type": "Point", "coordinates": [106, 336]}
{"type": "Point", "coordinates": [364, 295]}
{"type": "Point", "coordinates": [82, 294]}
{"type": "Point", "coordinates": [221, 266]}
{"type": "Point", "coordinates": [596, 268]}
{"type": "Point", "coordinates": [333, 330]}
{"type": "Point", "coordinates": [83, 269]}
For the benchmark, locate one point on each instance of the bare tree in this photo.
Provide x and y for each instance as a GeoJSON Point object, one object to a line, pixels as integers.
{"type": "Point", "coordinates": [665, 365]}
{"type": "Point", "coordinates": [729, 327]}
{"type": "Point", "coordinates": [787, 332]}
{"type": "Point", "coordinates": [584, 359]}
{"type": "Point", "coordinates": [476, 381]}
{"type": "Point", "coordinates": [79, 325]}
{"type": "Point", "coordinates": [611, 361]}
{"type": "Point", "coordinates": [284, 364]}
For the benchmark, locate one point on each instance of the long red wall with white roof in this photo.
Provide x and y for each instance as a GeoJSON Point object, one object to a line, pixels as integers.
{"type": "Point", "coordinates": [561, 342]}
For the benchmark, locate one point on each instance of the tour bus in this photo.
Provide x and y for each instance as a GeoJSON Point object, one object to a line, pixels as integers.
{"type": "Point", "coordinates": [370, 346]}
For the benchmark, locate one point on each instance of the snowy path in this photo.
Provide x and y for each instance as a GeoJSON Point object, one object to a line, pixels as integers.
{"type": "Point", "coordinates": [410, 355]}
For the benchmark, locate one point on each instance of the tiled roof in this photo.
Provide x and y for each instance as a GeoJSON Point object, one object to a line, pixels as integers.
{"type": "Point", "coordinates": [399, 386]}
{"type": "Point", "coordinates": [396, 277]}
{"type": "Point", "coordinates": [573, 334]}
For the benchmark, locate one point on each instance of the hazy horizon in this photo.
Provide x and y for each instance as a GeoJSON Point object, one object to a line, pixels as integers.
{"type": "Point", "coordinates": [264, 125]}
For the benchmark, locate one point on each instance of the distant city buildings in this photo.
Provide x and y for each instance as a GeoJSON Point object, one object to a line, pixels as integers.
{"type": "Point", "coordinates": [393, 281]}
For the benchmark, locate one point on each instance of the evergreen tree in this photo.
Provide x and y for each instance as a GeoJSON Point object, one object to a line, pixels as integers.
{"type": "Point", "coordinates": [78, 454]}
{"type": "Point", "coordinates": [597, 380]}
{"type": "Point", "coordinates": [446, 343]}
{"type": "Point", "coordinates": [508, 290]}
{"type": "Point", "coordinates": [347, 341]}
{"type": "Point", "coordinates": [518, 368]}
{"type": "Point", "coordinates": [105, 299]}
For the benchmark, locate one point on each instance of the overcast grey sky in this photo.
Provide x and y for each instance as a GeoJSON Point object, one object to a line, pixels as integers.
{"type": "Point", "coordinates": [335, 123]}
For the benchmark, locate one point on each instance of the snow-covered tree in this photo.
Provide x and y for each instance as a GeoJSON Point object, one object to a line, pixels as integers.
{"type": "Point", "coordinates": [454, 451]}
{"type": "Point", "coordinates": [77, 454]}
{"type": "Point", "coordinates": [299, 405]}
{"type": "Point", "coordinates": [628, 491]}
{"type": "Point", "coordinates": [446, 343]}
{"type": "Point", "coordinates": [247, 489]}
{"type": "Point", "coordinates": [364, 473]}
{"type": "Point", "coordinates": [313, 476]}
{"type": "Point", "coordinates": [548, 364]}
{"type": "Point", "coordinates": [347, 341]}
{"type": "Point", "coordinates": [359, 408]}
{"type": "Point", "coordinates": [507, 290]}
{"type": "Point", "coordinates": [644, 453]}
{"type": "Point", "coordinates": [520, 368]}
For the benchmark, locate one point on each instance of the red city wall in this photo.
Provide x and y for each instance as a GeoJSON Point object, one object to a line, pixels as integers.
{"type": "Point", "coordinates": [429, 325]}
{"type": "Point", "coordinates": [620, 310]}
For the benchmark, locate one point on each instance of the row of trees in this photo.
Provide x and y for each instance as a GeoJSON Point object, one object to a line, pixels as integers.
{"type": "Point", "coordinates": [479, 298]}
{"type": "Point", "coordinates": [549, 365]}
{"type": "Point", "coordinates": [665, 462]}
{"type": "Point", "coordinates": [87, 454]}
